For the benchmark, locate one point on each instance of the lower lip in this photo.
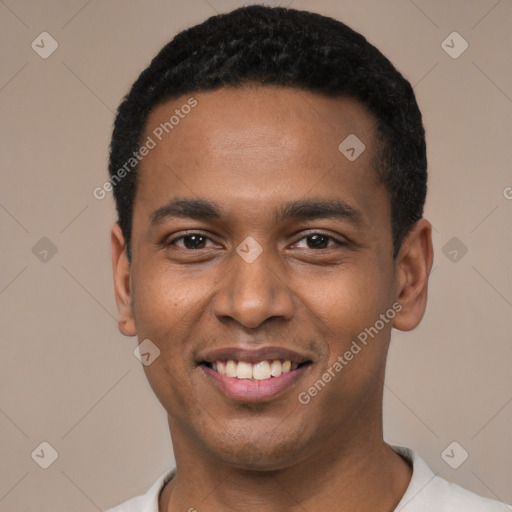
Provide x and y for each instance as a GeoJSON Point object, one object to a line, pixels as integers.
{"type": "Point", "coordinates": [250, 390]}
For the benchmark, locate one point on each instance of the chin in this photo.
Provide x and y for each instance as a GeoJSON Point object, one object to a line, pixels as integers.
{"type": "Point", "coordinates": [251, 458]}
{"type": "Point", "coordinates": [269, 450]}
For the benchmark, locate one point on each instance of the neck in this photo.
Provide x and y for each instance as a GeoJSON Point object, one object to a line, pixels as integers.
{"type": "Point", "coordinates": [365, 476]}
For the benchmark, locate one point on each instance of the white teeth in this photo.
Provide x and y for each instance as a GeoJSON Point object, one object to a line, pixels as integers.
{"type": "Point", "coordinates": [262, 370]}
{"type": "Point", "coordinates": [231, 368]}
{"type": "Point", "coordinates": [244, 370]}
{"type": "Point", "coordinates": [221, 367]}
{"type": "Point", "coordinates": [276, 368]}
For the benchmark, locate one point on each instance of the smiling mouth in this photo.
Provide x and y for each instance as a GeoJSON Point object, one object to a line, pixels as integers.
{"type": "Point", "coordinates": [261, 370]}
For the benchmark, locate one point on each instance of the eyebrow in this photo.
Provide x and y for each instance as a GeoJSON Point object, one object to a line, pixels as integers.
{"type": "Point", "coordinates": [303, 209]}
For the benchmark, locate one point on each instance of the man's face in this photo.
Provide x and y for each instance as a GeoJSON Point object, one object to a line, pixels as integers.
{"type": "Point", "coordinates": [319, 281]}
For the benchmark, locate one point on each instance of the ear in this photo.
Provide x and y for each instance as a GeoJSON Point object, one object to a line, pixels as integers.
{"type": "Point", "coordinates": [413, 266]}
{"type": "Point", "coordinates": [122, 282]}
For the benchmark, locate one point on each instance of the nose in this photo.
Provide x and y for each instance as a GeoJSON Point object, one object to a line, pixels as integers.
{"type": "Point", "coordinates": [252, 293]}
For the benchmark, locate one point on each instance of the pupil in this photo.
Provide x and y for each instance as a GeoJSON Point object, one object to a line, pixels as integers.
{"type": "Point", "coordinates": [191, 241]}
{"type": "Point", "coordinates": [318, 240]}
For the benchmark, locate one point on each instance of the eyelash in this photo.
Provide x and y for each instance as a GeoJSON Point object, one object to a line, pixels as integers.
{"type": "Point", "coordinates": [338, 242]}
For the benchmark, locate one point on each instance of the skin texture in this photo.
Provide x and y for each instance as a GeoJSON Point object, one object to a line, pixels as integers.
{"type": "Point", "coordinates": [250, 150]}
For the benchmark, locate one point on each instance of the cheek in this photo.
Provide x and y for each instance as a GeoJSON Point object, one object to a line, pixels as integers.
{"type": "Point", "coordinates": [348, 299]}
{"type": "Point", "coordinates": [171, 386]}
{"type": "Point", "coordinates": [161, 317]}
{"type": "Point", "coordinates": [166, 303]}
{"type": "Point", "coordinates": [165, 314]}
{"type": "Point", "coordinates": [346, 309]}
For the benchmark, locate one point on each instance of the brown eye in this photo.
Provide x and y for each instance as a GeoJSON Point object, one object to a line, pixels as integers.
{"type": "Point", "coordinates": [194, 241]}
{"type": "Point", "coordinates": [321, 241]}
{"type": "Point", "coordinates": [318, 241]}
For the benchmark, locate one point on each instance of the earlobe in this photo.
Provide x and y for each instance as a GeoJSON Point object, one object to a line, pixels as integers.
{"type": "Point", "coordinates": [122, 282]}
{"type": "Point", "coordinates": [413, 266]}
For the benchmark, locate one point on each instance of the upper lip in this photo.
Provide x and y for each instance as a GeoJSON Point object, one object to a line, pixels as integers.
{"type": "Point", "coordinates": [254, 355]}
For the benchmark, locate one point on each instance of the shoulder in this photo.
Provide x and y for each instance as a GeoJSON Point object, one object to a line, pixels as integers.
{"type": "Point", "coordinates": [428, 492]}
{"type": "Point", "coordinates": [147, 502]}
{"type": "Point", "coordinates": [132, 505]}
{"type": "Point", "coordinates": [453, 497]}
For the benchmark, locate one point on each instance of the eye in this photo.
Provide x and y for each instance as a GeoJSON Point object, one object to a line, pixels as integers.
{"type": "Point", "coordinates": [196, 241]}
{"type": "Point", "coordinates": [191, 241]}
{"type": "Point", "coordinates": [321, 241]}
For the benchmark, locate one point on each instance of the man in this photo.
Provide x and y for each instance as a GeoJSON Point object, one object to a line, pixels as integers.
{"type": "Point", "coordinates": [269, 171]}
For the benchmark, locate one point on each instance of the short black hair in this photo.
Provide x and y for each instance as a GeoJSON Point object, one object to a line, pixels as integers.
{"type": "Point", "coordinates": [289, 48]}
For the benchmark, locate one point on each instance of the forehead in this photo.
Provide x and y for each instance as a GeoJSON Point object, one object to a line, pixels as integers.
{"type": "Point", "coordinates": [236, 118]}
{"type": "Point", "coordinates": [251, 144]}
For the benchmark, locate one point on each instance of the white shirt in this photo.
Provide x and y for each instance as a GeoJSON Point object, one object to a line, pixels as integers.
{"type": "Point", "coordinates": [426, 493]}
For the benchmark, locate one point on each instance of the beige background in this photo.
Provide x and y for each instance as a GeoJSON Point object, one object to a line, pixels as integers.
{"type": "Point", "coordinates": [70, 379]}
